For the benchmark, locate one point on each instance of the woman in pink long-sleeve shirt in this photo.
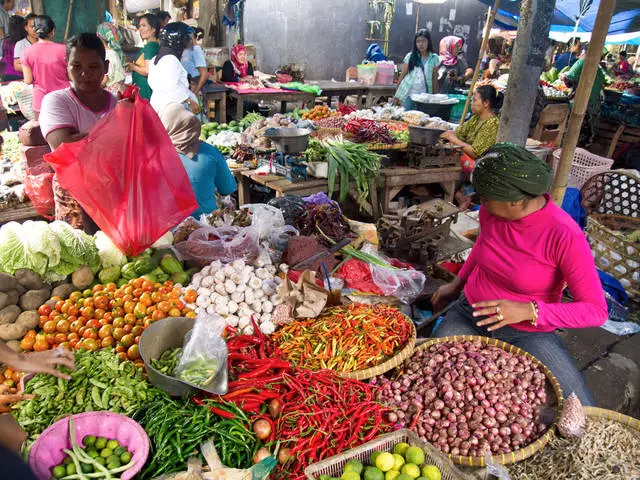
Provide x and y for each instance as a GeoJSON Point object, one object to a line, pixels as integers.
{"type": "Point", "coordinates": [527, 252]}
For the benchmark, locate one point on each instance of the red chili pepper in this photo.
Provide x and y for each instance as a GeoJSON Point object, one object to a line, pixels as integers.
{"type": "Point", "coordinates": [415, 418]}
{"type": "Point", "coordinates": [217, 411]}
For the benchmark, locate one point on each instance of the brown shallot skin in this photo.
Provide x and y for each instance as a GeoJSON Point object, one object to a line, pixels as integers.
{"type": "Point", "coordinates": [471, 399]}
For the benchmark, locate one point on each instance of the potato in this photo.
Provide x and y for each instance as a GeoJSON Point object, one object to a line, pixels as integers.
{"type": "Point", "coordinates": [7, 282]}
{"type": "Point", "coordinates": [4, 300]}
{"type": "Point", "coordinates": [14, 345]}
{"type": "Point", "coordinates": [12, 331]}
{"type": "Point", "coordinates": [34, 298]}
{"type": "Point", "coordinates": [28, 279]}
{"type": "Point", "coordinates": [9, 314]}
{"type": "Point", "coordinates": [28, 319]}
{"type": "Point", "coordinates": [51, 303]}
{"type": "Point", "coordinates": [64, 290]}
{"type": "Point", "coordinates": [14, 296]}
{"type": "Point", "coordinates": [82, 277]}
{"type": "Point", "coordinates": [20, 289]}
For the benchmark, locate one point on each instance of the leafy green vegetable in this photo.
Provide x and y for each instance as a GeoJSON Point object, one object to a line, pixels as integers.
{"type": "Point", "coordinates": [109, 254]}
{"type": "Point", "coordinates": [28, 245]}
{"type": "Point", "coordinates": [316, 152]}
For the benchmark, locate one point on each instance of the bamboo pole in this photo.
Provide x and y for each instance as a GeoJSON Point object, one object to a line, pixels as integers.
{"type": "Point", "coordinates": [491, 16]}
{"type": "Point", "coordinates": [66, 29]}
{"type": "Point", "coordinates": [417, 16]}
{"type": "Point", "coordinates": [587, 77]}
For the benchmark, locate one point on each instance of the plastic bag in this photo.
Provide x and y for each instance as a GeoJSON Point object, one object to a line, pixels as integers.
{"type": "Point", "coordinates": [291, 207]}
{"type": "Point", "coordinates": [226, 244]}
{"type": "Point", "coordinates": [127, 176]}
{"type": "Point", "coordinates": [573, 418]}
{"type": "Point", "coordinates": [264, 218]}
{"type": "Point", "coordinates": [403, 283]}
{"type": "Point", "coordinates": [39, 189]}
{"type": "Point", "coordinates": [204, 354]}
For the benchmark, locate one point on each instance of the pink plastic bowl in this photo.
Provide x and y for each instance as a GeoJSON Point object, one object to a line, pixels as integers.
{"type": "Point", "coordinates": [47, 452]}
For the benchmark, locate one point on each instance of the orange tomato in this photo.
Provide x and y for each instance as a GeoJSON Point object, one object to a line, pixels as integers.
{"type": "Point", "coordinates": [65, 307]}
{"type": "Point", "coordinates": [164, 306]}
{"type": "Point", "coordinates": [174, 312]}
{"type": "Point", "coordinates": [107, 342]}
{"type": "Point", "coordinates": [30, 334]}
{"type": "Point", "coordinates": [99, 313]}
{"type": "Point", "coordinates": [119, 294]}
{"type": "Point", "coordinates": [145, 299]}
{"type": "Point", "coordinates": [108, 317]}
{"type": "Point", "coordinates": [89, 302]}
{"type": "Point", "coordinates": [27, 343]}
{"type": "Point", "coordinates": [137, 330]}
{"type": "Point", "coordinates": [190, 296]}
{"type": "Point", "coordinates": [120, 348]}
{"type": "Point", "coordinates": [90, 344]}
{"type": "Point", "coordinates": [50, 338]}
{"type": "Point", "coordinates": [140, 310]}
{"type": "Point", "coordinates": [98, 288]}
{"type": "Point", "coordinates": [44, 309]}
{"type": "Point", "coordinates": [87, 312]}
{"type": "Point", "coordinates": [118, 312]}
{"type": "Point", "coordinates": [190, 315]}
{"type": "Point", "coordinates": [137, 282]}
{"type": "Point", "coordinates": [130, 319]}
{"type": "Point", "coordinates": [59, 305]}
{"type": "Point", "coordinates": [62, 326]}
{"type": "Point", "coordinates": [122, 356]}
{"type": "Point", "coordinates": [101, 302]}
{"type": "Point", "coordinates": [179, 304]}
{"type": "Point", "coordinates": [157, 297]}
{"type": "Point", "coordinates": [118, 333]}
{"type": "Point", "coordinates": [60, 337]}
{"type": "Point", "coordinates": [73, 343]}
{"type": "Point", "coordinates": [49, 326]}
{"type": "Point", "coordinates": [105, 331]}
{"type": "Point", "coordinates": [158, 315]}
{"type": "Point", "coordinates": [147, 323]}
{"type": "Point", "coordinates": [75, 326]}
{"type": "Point", "coordinates": [138, 292]}
{"type": "Point", "coordinates": [111, 287]}
{"type": "Point", "coordinates": [72, 336]}
{"type": "Point", "coordinates": [129, 306]}
{"type": "Point", "coordinates": [118, 322]}
{"type": "Point", "coordinates": [127, 340]}
{"type": "Point", "coordinates": [73, 310]}
{"type": "Point", "coordinates": [133, 352]}
{"type": "Point", "coordinates": [75, 296]}
{"type": "Point", "coordinates": [93, 323]}
{"type": "Point", "coordinates": [127, 328]}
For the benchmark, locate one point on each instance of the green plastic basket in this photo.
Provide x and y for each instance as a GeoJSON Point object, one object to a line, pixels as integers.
{"type": "Point", "coordinates": [458, 108]}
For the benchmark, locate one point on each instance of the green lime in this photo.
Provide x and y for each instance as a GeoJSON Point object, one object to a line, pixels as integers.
{"type": "Point", "coordinates": [67, 461]}
{"type": "Point", "coordinates": [398, 461]}
{"type": "Point", "coordinates": [93, 453]}
{"type": "Point", "coordinates": [101, 461]}
{"type": "Point", "coordinates": [411, 469]}
{"type": "Point", "coordinates": [119, 450]}
{"type": "Point", "coordinates": [421, 478]}
{"type": "Point", "coordinates": [86, 467]}
{"type": "Point", "coordinates": [391, 475]}
{"type": "Point", "coordinates": [114, 459]}
{"type": "Point", "coordinates": [125, 458]}
{"type": "Point", "coordinates": [324, 477]}
{"type": "Point", "coordinates": [89, 441]}
{"type": "Point", "coordinates": [373, 457]}
{"type": "Point", "coordinates": [354, 465]}
{"type": "Point", "coordinates": [350, 475]}
{"type": "Point", "coordinates": [401, 448]}
{"type": "Point", "coordinates": [372, 473]}
{"type": "Point", "coordinates": [100, 443]}
{"type": "Point", "coordinates": [431, 472]}
{"type": "Point", "coordinates": [385, 461]}
{"type": "Point", "coordinates": [59, 471]}
{"type": "Point", "coordinates": [113, 466]}
{"type": "Point", "coordinates": [106, 453]}
{"type": "Point", "coordinates": [113, 444]}
{"type": "Point", "coordinates": [404, 476]}
{"type": "Point", "coordinates": [71, 469]}
{"type": "Point", "coordinates": [414, 455]}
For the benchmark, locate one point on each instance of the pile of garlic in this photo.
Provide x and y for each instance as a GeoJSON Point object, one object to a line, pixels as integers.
{"type": "Point", "coordinates": [237, 291]}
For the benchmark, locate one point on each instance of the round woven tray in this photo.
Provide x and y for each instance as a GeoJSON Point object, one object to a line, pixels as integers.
{"type": "Point", "coordinates": [529, 450]}
{"type": "Point", "coordinates": [390, 364]}
{"type": "Point", "coordinates": [387, 146]}
{"type": "Point", "coordinates": [603, 413]}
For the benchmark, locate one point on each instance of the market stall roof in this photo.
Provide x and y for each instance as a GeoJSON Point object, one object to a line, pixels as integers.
{"type": "Point", "coordinates": [632, 38]}
{"type": "Point", "coordinates": [626, 17]}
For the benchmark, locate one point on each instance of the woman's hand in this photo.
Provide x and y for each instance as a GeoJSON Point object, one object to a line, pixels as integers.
{"type": "Point", "coordinates": [45, 362]}
{"type": "Point", "coordinates": [194, 107]}
{"type": "Point", "coordinates": [449, 135]}
{"type": "Point", "coordinates": [7, 398]}
{"type": "Point", "coordinates": [501, 313]}
{"type": "Point", "coordinates": [445, 294]}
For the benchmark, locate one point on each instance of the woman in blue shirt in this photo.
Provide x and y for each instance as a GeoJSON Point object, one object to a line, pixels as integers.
{"type": "Point", "coordinates": [206, 167]}
{"type": "Point", "coordinates": [419, 70]}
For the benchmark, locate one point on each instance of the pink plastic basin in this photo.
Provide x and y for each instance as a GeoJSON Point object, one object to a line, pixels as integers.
{"type": "Point", "coordinates": [47, 452]}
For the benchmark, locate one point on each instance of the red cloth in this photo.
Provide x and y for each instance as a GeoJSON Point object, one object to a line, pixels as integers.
{"type": "Point", "coordinates": [357, 276]}
{"type": "Point", "coordinates": [236, 87]}
{"type": "Point", "coordinates": [241, 68]}
{"type": "Point", "coordinates": [531, 259]}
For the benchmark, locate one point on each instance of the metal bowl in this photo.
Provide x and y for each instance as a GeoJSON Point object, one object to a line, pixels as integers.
{"type": "Point", "coordinates": [424, 136]}
{"type": "Point", "coordinates": [289, 140]}
{"type": "Point", "coordinates": [170, 333]}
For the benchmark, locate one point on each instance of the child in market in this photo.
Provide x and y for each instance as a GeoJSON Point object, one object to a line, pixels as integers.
{"type": "Point", "coordinates": [68, 115]}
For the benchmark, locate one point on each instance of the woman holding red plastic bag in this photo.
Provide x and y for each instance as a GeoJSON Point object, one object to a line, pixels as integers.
{"type": "Point", "coordinates": [68, 115]}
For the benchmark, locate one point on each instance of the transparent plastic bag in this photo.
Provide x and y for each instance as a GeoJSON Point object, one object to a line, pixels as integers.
{"type": "Point", "coordinates": [278, 242]}
{"type": "Point", "coordinates": [226, 244]}
{"type": "Point", "coordinates": [402, 283]}
{"type": "Point", "coordinates": [264, 218]}
{"type": "Point", "coordinates": [204, 354]}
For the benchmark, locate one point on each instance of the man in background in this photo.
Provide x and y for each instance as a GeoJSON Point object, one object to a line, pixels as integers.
{"type": "Point", "coordinates": [568, 58]}
{"type": "Point", "coordinates": [5, 7]}
{"type": "Point", "coordinates": [165, 17]}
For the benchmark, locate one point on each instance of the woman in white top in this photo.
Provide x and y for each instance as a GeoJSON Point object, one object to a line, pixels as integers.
{"type": "Point", "coordinates": [168, 79]}
{"type": "Point", "coordinates": [419, 70]}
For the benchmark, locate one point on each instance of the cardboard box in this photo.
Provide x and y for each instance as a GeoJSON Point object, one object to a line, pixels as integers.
{"type": "Point", "coordinates": [216, 56]}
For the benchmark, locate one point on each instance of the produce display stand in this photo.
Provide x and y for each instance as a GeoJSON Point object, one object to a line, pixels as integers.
{"type": "Point", "coordinates": [341, 90]}
{"type": "Point", "coordinates": [396, 178]}
{"type": "Point", "coordinates": [271, 95]}
{"type": "Point", "coordinates": [18, 213]}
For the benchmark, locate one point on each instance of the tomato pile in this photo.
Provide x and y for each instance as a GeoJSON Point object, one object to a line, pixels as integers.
{"type": "Point", "coordinates": [107, 316]}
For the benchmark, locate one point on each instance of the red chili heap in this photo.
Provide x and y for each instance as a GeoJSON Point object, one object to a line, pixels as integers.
{"type": "Point", "coordinates": [368, 131]}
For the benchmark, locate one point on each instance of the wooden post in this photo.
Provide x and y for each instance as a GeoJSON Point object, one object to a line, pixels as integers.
{"type": "Point", "coordinates": [66, 29]}
{"type": "Point", "coordinates": [417, 16]}
{"type": "Point", "coordinates": [583, 92]}
{"type": "Point", "coordinates": [491, 15]}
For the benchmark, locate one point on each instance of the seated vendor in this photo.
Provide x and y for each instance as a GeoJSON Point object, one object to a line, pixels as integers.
{"type": "Point", "coordinates": [510, 288]}
{"type": "Point", "coordinates": [493, 72]}
{"type": "Point", "coordinates": [479, 133]}
{"type": "Point", "coordinates": [206, 167]}
{"type": "Point", "coordinates": [238, 67]}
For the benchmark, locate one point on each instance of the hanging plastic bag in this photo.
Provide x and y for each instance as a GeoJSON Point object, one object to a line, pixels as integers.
{"type": "Point", "coordinates": [226, 244]}
{"type": "Point", "coordinates": [39, 189]}
{"type": "Point", "coordinates": [264, 218]}
{"type": "Point", "coordinates": [204, 354]}
{"type": "Point", "coordinates": [127, 176]}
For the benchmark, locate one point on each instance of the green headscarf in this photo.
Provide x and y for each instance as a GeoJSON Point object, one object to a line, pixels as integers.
{"type": "Point", "coordinates": [508, 173]}
{"type": "Point", "coordinates": [109, 35]}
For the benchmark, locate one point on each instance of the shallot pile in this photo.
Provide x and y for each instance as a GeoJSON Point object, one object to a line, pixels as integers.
{"type": "Point", "coordinates": [468, 398]}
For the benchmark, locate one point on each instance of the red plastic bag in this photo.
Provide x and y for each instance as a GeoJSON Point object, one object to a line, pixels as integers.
{"type": "Point", "coordinates": [127, 176]}
{"type": "Point", "coordinates": [39, 189]}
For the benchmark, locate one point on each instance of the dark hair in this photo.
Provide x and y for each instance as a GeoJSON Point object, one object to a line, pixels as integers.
{"type": "Point", "coordinates": [44, 25]}
{"type": "Point", "coordinates": [574, 41]}
{"type": "Point", "coordinates": [163, 15]}
{"type": "Point", "coordinates": [29, 17]}
{"type": "Point", "coordinates": [199, 33]}
{"type": "Point", "coordinates": [623, 54]}
{"type": "Point", "coordinates": [416, 59]}
{"type": "Point", "coordinates": [87, 41]}
{"type": "Point", "coordinates": [488, 93]}
{"type": "Point", "coordinates": [16, 29]}
{"type": "Point", "coordinates": [153, 21]}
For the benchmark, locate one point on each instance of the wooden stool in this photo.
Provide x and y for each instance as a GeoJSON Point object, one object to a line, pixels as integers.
{"type": "Point", "coordinates": [551, 124]}
{"type": "Point", "coordinates": [216, 106]}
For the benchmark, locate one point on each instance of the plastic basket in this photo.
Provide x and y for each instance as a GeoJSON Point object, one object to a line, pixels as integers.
{"type": "Point", "coordinates": [585, 165]}
{"type": "Point", "coordinates": [367, 74]}
{"type": "Point", "coordinates": [334, 466]}
{"type": "Point", "coordinates": [385, 74]}
{"type": "Point", "coordinates": [458, 108]}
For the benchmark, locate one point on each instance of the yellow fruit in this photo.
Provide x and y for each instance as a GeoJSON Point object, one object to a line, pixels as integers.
{"type": "Point", "coordinates": [354, 466]}
{"type": "Point", "coordinates": [391, 475]}
{"type": "Point", "coordinates": [412, 470]}
{"type": "Point", "coordinates": [414, 455]}
{"type": "Point", "coordinates": [350, 475]}
{"type": "Point", "coordinates": [373, 457]}
{"type": "Point", "coordinates": [398, 461]}
{"type": "Point", "coordinates": [431, 472]}
{"type": "Point", "coordinates": [401, 448]}
{"type": "Point", "coordinates": [385, 461]}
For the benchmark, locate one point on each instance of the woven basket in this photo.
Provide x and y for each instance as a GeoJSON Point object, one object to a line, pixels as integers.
{"type": "Point", "coordinates": [334, 465]}
{"type": "Point", "coordinates": [603, 413]}
{"type": "Point", "coordinates": [395, 125]}
{"type": "Point", "coordinates": [390, 364]}
{"type": "Point", "coordinates": [529, 450]}
{"type": "Point", "coordinates": [585, 165]}
{"type": "Point", "coordinates": [387, 146]}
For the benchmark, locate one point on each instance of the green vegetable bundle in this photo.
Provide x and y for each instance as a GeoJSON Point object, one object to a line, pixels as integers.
{"type": "Point", "coordinates": [316, 152]}
{"type": "Point", "coordinates": [351, 160]}
{"type": "Point", "coordinates": [101, 382]}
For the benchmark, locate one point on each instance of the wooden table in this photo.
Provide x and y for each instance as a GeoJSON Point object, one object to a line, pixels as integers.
{"type": "Point", "coordinates": [283, 97]}
{"type": "Point", "coordinates": [395, 178]}
{"type": "Point", "coordinates": [219, 99]}
{"type": "Point", "coordinates": [18, 213]}
{"type": "Point", "coordinates": [374, 91]}
{"type": "Point", "coordinates": [341, 90]}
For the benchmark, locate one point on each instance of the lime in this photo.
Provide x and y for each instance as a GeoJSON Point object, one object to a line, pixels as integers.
{"type": "Point", "coordinates": [114, 459]}
{"type": "Point", "coordinates": [324, 477]}
{"type": "Point", "coordinates": [101, 461]}
{"type": "Point", "coordinates": [113, 444]}
{"type": "Point", "coordinates": [119, 450]}
{"type": "Point", "coordinates": [106, 453]}
{"type": "Point", "coordinates": [391, 475]}
{"type": "Point", "coordinates": [354, 465]}
{"type": "Point", "coordinates": [59, 471]}
{"type": "Point", "coordinates": [372, 473]}
{"type": "Point", "coordinates": [411, 469]}
{"type": "Point", "coordinates": [385, 461]}
{"type": "Point", "coordinates": [113, 466]}
{"type": "Point", "coordinates": [404, 476]}
{"type": "Point", "coordinates": [71, 469]}
{"type": "Point", "coordinates": [398, 461]}
{"type": "Point", "coordinates": [89, 441]}
{"type": "Point", "coordinates": [414, 455]}
{"type": "Point", "coordinates": [431, 472]}
{"type": "Point", "coordinates": [373, 457]}
{"type": "Point", "coordinates": [92, 453]}
{"type": "Point", "coordinates": [350, 475]}
{"type": "Point", "coordinates": [67, 461]}
{"type": "Point", "coordinates": [401, 448]}
{"type": "Point", "coordinates": [125, 458]}
{"type": "Point", "coordinates": [86, 468]}
{"type": "Point", "coordinates": [421, 478]}
{"type": "Point", "coordinates": [100, 443]}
